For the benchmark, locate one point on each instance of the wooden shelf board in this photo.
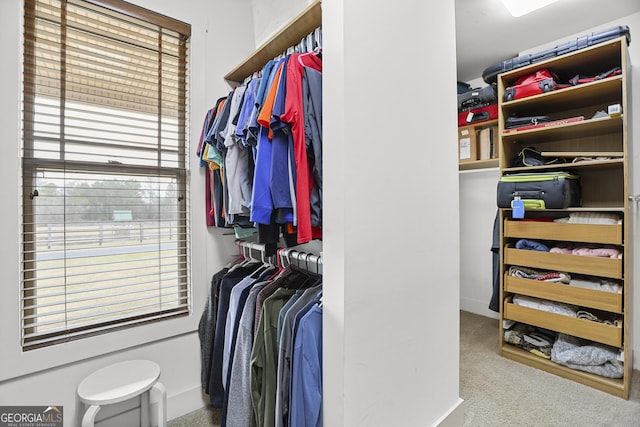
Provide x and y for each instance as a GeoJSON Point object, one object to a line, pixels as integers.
{"type": "Point", "coordinates": [593, 266]}
{"type": "Point", "coordinates": [587, 329]}
{"type": "Point", "coordinates": [584, 297]}
{"type": "Point", "coordinates": [607, 208]}
{"type": "Point", "coordinates": [303, 24]}
{"type": "Point", "coordinates": [584, 154]}
{"type": "Point", "coordinates": [563, 166]}
{"type": "Point", "coordinates": [584, 94]}
{"type": "Point", "coordinates": [597, 126]}
{"type": "Point", "coordinates": [479, 164]}
{"type": "Point", "coordinates": [562, 231]}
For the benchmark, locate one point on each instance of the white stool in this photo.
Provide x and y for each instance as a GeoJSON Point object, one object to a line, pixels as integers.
{"type": "Point", "coordinates": [122, 381]}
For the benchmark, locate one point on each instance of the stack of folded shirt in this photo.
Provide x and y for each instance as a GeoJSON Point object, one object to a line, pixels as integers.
{"type": "Point", "coordinates": [547, 276]}
{"type": "Point", "coordinates": [584, 355]}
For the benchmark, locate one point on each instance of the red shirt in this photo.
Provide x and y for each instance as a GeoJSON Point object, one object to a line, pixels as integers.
{"type": "Point", "coordinates": [294, 114]}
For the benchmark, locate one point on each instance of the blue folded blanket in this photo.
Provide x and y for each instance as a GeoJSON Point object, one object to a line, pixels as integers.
{"type": "Point", "coordinates": [531, 245]}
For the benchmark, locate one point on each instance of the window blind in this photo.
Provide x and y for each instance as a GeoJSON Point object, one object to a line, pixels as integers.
{"type": "Point", "coordinates": [104, 164]}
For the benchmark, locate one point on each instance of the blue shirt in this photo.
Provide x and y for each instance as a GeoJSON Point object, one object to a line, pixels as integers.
{"type": "Point", "coordinates": [306, 375]}
{"type": "Point", "coordinates": [282, 138]}
{"type": "Point", "coordinates": [262, 203]}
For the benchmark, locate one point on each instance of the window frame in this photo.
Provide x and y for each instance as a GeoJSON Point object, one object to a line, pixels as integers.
{"type": "Point", "coordinates": [30, 163]}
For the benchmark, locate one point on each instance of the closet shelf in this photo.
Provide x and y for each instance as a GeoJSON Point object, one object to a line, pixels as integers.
{"type": "Point", "coordinates": [610, 385]}
{"type": "Point", "coordinates": [611, 163]}
{"type": "Point", "coordinates": [303, 24]}
{"type": "Point", "coordinates": [478, 164]}
{"type": "Point", "coordinates": [572, 97]}
{"type": "Point", "coordinates": [599, 126]}
{"type": "Point", "coordinates": [589, 265]}
{"type": "Point", "coordinates": [568, 294]}
{"type": "Point", "coordinates": [587, 329]}
{"type": "Point", "coordinates": [587, 233]}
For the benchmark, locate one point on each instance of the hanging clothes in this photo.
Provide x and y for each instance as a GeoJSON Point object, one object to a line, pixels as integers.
{"type": "Point", "coordinates": [266, 140]}
{"type": "Point", "coordinates": [250, 324]}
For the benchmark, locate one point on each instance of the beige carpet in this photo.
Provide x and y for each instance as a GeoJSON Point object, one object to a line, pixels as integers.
{"type": "Point", "coordinates": [500, 392]}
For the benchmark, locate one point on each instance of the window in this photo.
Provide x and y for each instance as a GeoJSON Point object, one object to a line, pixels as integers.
{"type": "Point", "coordinates": [104, 161]}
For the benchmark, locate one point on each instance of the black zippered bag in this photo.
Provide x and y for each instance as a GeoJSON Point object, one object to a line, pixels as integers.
{"type": "Point", "coordinates": [476, 98]}
{"type": "Point", "coordinates": [516, 122]}
{"type": "Point", "coordinates": [490, 74]}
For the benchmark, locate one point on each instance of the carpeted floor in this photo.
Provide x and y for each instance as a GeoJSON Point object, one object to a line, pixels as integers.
{"type": "Point", "coordinates": [500, 392]}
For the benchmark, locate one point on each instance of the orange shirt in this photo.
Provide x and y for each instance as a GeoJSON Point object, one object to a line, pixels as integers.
{"type": "Point", "coordinates": [264, 118]}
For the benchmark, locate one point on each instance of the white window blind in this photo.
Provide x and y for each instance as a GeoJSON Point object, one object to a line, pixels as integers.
{"type": "Point", "coordinates": [104, 162]}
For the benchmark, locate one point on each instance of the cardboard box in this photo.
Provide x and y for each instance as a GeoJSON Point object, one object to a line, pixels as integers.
{"type": "Point", "coordinates": [467, 144]}
{"type": "Point", "coordinates": [488, 143]}
{"type": "Point", "coordinates": [484, 142]}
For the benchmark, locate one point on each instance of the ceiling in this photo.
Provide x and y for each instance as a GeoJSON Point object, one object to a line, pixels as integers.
{"type": "Point", "coordinates": [487, 34]}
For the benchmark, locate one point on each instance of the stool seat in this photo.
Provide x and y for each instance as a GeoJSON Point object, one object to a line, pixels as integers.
{"type": "Point", "coordinates": [119, 382]}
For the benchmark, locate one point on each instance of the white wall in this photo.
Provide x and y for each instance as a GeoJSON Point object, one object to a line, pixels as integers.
{"type": "Point", "coordinates": [269, 16]}
{"type": "Point", "coordinates": [391, 282]}
{"type": "Point", "coordinates": [49, 376]}
{"type": "Point", "coordinates": [475, 239]}
{"type": "Point", "coordinates": [477, 213]}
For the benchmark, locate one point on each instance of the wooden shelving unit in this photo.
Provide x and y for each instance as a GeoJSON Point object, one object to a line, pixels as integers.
{"type": "Point", "coordinates": [604, 188]}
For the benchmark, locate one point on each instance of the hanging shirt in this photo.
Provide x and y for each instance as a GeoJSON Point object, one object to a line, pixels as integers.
{"type": "Point", "coordinates": [264, 358]}
{"type": "Point", "coordinates": [232, 278]}
{"type": "Point", "coordinates": [285, 353]}
{"type": "Point", "coordinates": [245, 111]}
{"type": "Point", "coordinates": [294, 114]}
{"type": "Point", "coordinates": [279, 180]}
{"type": "Point", "coordinates": [262, 203]}
{"type": "Point", "coordinates": [236, 163]}
{"type": "Point", "coordinates": [312, 101]}
{"type": "Point", "coordinates": [252, 124]}
{"type": "Point", "coordinates": [237, 410]}
{"type": "Point", "coordinates": [306, 377]}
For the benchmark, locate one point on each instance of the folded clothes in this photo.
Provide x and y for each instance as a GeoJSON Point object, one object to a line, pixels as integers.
{"type": "Point", "coordinates": [593, 218]}
{"type": "Point", "coordinates": [584, 355]}
{"type": "Point", "coordinates": [545, 305]}
{"type": "Point", "coordinates": [599, 285]}
{"type": "Point", "coordinates": [598, 252]}
{"type": "Point", "coordinates": [560, 250]}
{"type": "Point", "coordinates": [529, 338]}
{"type": "Point", "coordinates": [547, 276]}
{"type": "Point", "coordinates": [596, 316]}
{"type": "Point", "coordinates": [606, 251]}
{"type": "Point", "coordinates": [531, 245]}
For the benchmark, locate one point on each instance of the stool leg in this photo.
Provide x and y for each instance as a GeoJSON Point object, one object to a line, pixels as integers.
{"type": "Point", "coordinates": [160, 395]}
{"type": "Point", "coordinates": [89, 418]}
{"type": "Point", "coordinates": [144, 410]}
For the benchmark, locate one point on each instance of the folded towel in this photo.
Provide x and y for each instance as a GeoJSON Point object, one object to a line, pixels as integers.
{"type": "Point", "coordinates": [597, 252]}
{"type": "Point", "coordinates": [531, 245]}
{"type": "Point", "coordinates": [545, 305]}
{"type": "Point", "coordinates": [547, 276]}
{"type": "Point", "coordinates": [598, 285]}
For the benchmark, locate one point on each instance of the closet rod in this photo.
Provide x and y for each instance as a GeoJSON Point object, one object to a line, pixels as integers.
{"type": "Point", "coordinates": [303, 260]}
{"type": "Point", "coordinates": [308, 261]}
{"type": "Point", "coordinates": [251, 246]}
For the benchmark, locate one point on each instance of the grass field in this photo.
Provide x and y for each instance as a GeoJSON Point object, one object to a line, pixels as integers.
{"type": "Point", "coordinates": [89, 280]}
